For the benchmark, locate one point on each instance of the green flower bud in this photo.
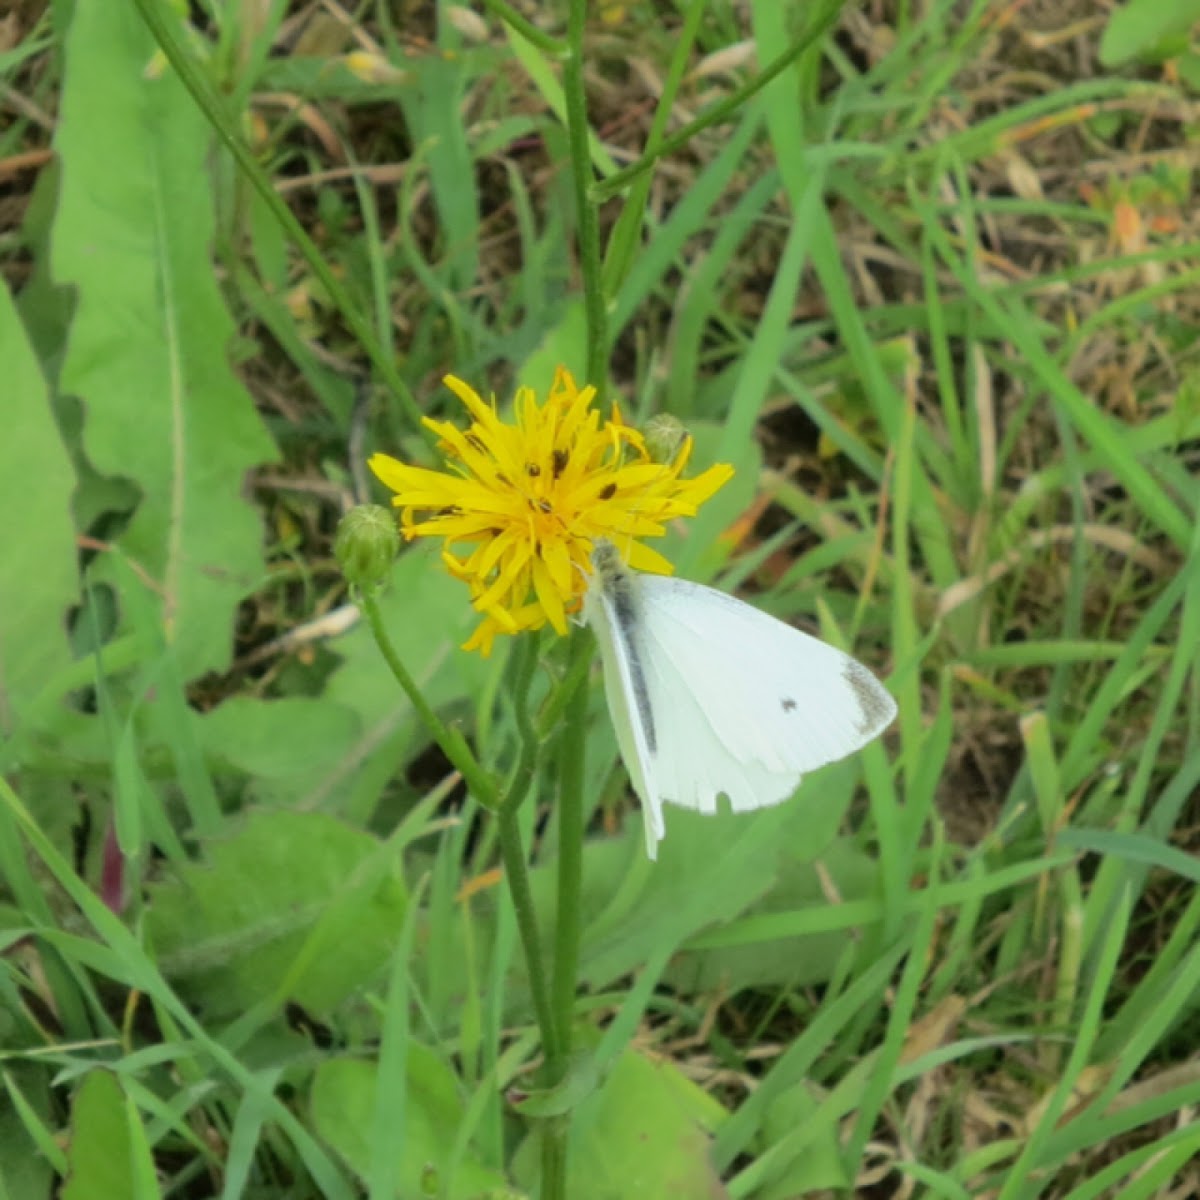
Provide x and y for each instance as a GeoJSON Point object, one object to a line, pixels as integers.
{"type": "Point", "coordinates": [665, 436]}
{"type": "Point", "coordinates": [366, 545]}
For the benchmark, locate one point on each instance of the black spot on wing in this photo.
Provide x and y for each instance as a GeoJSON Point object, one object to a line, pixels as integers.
{"type": "Point", "coordinates": [787, 704]}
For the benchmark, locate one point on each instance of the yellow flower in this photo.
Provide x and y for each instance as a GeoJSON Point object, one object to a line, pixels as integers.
{"type": "Point", "coordinates": [526, 500]}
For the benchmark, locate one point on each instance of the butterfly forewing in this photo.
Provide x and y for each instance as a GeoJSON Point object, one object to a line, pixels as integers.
{"type": "Point", "coordinates": [775, 698]}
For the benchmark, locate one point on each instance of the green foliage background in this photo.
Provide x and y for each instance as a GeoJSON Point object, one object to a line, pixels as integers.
{"type": "Point", "coordinates": [926, 277]}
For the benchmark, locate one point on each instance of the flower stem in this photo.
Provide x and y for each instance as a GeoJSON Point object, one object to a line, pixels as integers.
{"type": "Point", "coordinates": [516, 869]}
{"type": "Point", "coordinates": [585, 209]}
{"type": "Point", "coordinates": [547, 1001]}
{"type": "Point", "coordinates": [452, 743]}
{"type": "Point", "coordinates": [571, 749]}
{"type": "Point", "coordinates": [554, 1159]}
{"type": "Point", "coordinates": [516, 876]}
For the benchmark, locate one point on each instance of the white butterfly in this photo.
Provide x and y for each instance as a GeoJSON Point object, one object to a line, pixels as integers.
{"type": "Point", "coordinates": [711, 696]}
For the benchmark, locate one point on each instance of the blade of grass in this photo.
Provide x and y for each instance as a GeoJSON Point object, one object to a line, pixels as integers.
{"type": "Point", "coordinates": [252, 1113]}
{"type": "Point", "coordinates": [145, 1175]}
{"type": "Point", "coordinates": [40, 1134]}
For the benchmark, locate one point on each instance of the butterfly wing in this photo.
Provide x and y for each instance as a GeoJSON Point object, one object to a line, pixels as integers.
{"type": "Point", "coordinates": [710, 696]}
{"type": "Point", "coordinates": [743, 704]}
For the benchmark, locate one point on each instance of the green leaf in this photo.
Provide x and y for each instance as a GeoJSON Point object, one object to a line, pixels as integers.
{"type": "Point", "coordinates": [147, 351]}
{"type": "Point", "coordinates": [645, 1133]}
{"type": "Point", "coordinates": [281, 744]}
{"type": "Point", "coordinates": [343, 1099]}
{"type": "Point", "coordinates": [295, 906]}
{"type": "Point", "coordinates": [1136, 30]}
{"type": "Point", "coordinates": [38, 574]}
{"type": "Point", "coordinates": [709, 869]}
{"type": "Point", "coordinates": [101, 1150]}
{"type": "Point", "coordinates": [648, 1136]}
